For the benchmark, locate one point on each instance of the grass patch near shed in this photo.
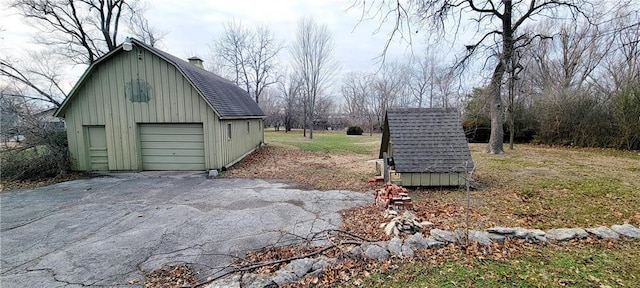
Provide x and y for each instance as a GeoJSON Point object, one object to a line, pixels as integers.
{"type": "Point", "coordinates": [572, 265]}
{"type": "Point", "coordinates": [548, 187]}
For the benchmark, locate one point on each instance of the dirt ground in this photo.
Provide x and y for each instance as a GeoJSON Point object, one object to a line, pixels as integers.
{"type": "Point", "coordinates": [314, 170]}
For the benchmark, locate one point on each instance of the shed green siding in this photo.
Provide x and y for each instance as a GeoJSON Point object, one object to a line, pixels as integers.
{"type": "Point", "coordinates": [241, 140]}
{"type": "Point", "coordinates": [432, 179]}
{"type": "Point", "coordinates": [102, 100]}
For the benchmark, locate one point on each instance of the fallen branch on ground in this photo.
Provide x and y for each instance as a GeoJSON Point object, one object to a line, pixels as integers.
{"type": "Point", "coordinates": [329, 235]}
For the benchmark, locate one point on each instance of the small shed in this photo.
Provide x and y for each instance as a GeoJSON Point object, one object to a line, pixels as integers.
{"type": "Point", "coordinates": [140, 108]}
{"type": "Point", "coordinates": [427, 146]}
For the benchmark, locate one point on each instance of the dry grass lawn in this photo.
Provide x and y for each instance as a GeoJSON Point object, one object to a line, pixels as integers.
{"type": "Point", "coordinates": [530, 186]}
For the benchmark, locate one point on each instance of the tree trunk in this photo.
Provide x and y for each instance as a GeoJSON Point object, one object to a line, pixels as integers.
{"type": "Point", "coordinates": [304, 122]}
{"type": "Point", "coordinates": [311, 125]}
{"type": "Point", "coordinates": [370, 128]}
{"type": "Point", "coordinates": [497, 134]}
{"type": "Point", "coordinates": [497, 112]}
{"type": "Point", "coordinates": [511, 132]}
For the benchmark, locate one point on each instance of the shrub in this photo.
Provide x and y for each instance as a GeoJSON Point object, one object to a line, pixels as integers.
{"type": "Point", "coordinates": [45, 155]}
{"type": "Point", "coordinates": [354, 130]}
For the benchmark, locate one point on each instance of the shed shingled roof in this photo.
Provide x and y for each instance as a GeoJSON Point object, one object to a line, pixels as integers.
{"type": "Point", "coordinates": [226, 98]}
{"type": "Point", "coordinates": [426, 140]}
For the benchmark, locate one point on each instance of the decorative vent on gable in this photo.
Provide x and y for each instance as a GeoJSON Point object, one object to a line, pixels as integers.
{"type": "Point", "coordinates": [138, 91]}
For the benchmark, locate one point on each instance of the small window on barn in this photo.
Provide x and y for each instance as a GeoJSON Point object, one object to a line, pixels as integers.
{"type": "Point", "coordinates": [229, 131]}
{"type": "Point", "coordinates": [248, 127]}
{"type": "Point", "coordinates": [138, 91]}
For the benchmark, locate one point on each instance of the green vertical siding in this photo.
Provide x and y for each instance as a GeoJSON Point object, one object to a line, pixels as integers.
{"type": "Point", "coordinates": [240, 141]}
{"type": "Point", "coordinates": [101, 100]}
{"type": "Point", "coordinates": [432, 179]}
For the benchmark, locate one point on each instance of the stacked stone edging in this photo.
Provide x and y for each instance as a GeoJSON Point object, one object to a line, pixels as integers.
{"type": "Point", "coordinates": [297, 269]}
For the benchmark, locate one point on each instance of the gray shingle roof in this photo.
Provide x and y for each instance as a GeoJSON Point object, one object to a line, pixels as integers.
{"type": "Point", "coordinates": [224, 96]}
{"type": "Point", "coordinates": [426, 140]}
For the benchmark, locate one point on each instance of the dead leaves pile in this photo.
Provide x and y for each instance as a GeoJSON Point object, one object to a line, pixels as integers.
{"type": "Point", "coordinates": [28, 184]}
{"type": "Point", "coordinates": [366, 220]}
{"type": "Point", "coordinates": [170, 276]}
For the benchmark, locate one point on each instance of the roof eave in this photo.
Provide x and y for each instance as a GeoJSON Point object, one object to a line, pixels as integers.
{"type": "Point", "coordinates": [242, 117]}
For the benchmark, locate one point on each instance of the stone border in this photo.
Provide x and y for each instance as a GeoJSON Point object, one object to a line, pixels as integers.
{"type": "Point", "coordinates": [297, 269]}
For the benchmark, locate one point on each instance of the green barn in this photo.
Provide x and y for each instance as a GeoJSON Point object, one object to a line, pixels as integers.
{"type": "Point", "coordinates": [140, 108]}
{"type": "Point", "coordinates": [427, 145]}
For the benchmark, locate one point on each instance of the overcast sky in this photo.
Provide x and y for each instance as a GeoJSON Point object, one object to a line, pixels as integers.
{"type": "Point", "coordinates": [191, 26]}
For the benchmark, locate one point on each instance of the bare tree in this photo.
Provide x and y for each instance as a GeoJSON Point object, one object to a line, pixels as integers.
{"type": "Point", "coordinates": [445, 81]}
{"type": "Point", "coordinates": [230, 51]}
{"type": "Point", "coordinates": [82, 30]}
{"type": "Point", "coordinates": [249, 55]}
{"type": "Point", "coordinates": [355, 89]}
{"type": "Point", "coordinates": [291, 91]}
{"type": "Point", "coordinates": [272, 107]}
{"type": "Point", "coordinates": [141, 29]}
{"type": "Point", "coordinates": [324, 108]}
{"type": "Point", "coordinates": [388, 87]}
{"type": "Point", "coordinates": [569, 59]}
{"type": "Point", "coordinates": [71, 32]}
{"type": "Point", "coordinates": [622, 64]}
{"type": "Point", "coordinates": [39, 79]}
{"type": "Point", "coordinates": [402, 73]}
{"type": "Point", "coordinates": [422, 81]}
{"type": "Point", "coordinates": [11, 109]}
{"type": "Point", "coordinates": [497, 23]}
{"type": "Point", "coordinates": [312, 53]}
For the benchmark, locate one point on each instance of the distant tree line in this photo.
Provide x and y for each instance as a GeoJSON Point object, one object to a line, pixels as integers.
{"type": "Point", "coordinates": [298, 94]}
{"type": "Point", "coordinates": [582, 87]}
{"type": "Point", "coordinates": [566, 73]}
{"type": "Point", "coordinates": [561, 79]}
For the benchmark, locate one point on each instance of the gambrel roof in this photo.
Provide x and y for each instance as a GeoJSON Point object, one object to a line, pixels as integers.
{"type": "Point", "coordinates": [429, 140]}
{"type": "Point", "coordinates": [223, 96]}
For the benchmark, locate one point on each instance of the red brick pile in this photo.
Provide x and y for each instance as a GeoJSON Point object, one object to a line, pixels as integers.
{"type": "Point", "coordinates": [392, 196]}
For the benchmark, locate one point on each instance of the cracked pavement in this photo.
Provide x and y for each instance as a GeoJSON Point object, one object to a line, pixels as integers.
{"type": "Point", "coordinates": [108, 231]}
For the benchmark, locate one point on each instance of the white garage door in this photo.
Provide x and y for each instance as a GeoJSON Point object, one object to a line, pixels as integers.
{"type": "Point", "coordinates": [172, 146]}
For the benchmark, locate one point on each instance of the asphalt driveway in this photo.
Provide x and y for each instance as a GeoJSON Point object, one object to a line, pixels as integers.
{"type": "Point", "coordinates": [108, 231]}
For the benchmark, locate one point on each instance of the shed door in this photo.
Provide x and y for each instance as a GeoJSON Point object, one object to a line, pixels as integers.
{"type": "Point", "coordinates": [172, 146]}
{"type": "Point", "coordinates": [98, 160]}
